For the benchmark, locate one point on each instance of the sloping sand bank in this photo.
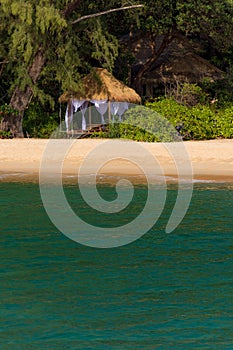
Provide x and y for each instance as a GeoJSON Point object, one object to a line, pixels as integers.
{"type": "Point", "coordinates": [212, 160]}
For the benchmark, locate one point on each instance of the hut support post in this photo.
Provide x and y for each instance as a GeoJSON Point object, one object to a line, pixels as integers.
{"type": "Point", "coordinates": [109, 112]}
{"type": "Point", "coordinates": [89, 113]}
{"type": "Point", "coordinates": [69, 116]}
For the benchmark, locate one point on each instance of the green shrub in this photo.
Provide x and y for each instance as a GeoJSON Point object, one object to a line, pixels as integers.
{"type": "Point", "coordinates": [141, 124]}
{"type": "Point", "coordinates": [38, 123]}
{"type": "Point", "coordinates": [224, 123]}
{"type": "Point", "coordinates": [200, 122]}
{"type": "Point", "coordinates": [155, 126]}
{"type": "Point", "coordinates": [125, 131]}
{"type": "Point", "coordinates": [5, 134]}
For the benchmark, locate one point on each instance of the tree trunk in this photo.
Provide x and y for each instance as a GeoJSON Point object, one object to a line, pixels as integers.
{"type": "Point", "coordinates": [12, 123]}
{"type": "Point", "coordinates": [20, 98]}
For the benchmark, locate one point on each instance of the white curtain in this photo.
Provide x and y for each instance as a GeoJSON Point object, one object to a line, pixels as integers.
{"type": "Point", "coordinates": [101, 106]}
{"type": "Point", "coordinates": [123, 106]}
{"type": "Point", "coordinates": [77, 104]}
{"type": "Point", "coordinates": [82, 104]}
{"type": "Point", "coordinates": [114, 109]}
{"type": "Point", "coordinates": [68, 116]}
{"type": "Point", "coordinates": [83, 108]}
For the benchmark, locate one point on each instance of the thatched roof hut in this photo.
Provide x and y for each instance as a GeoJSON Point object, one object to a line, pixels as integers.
{"type": "Point", "coordinates": [187, 67]}
{"type": "Point", "coordinates": [179, 62]}
{"type": "Point", "coordinates": [102, 85]}
{"type": "Point", "coordinates": [176, 68]}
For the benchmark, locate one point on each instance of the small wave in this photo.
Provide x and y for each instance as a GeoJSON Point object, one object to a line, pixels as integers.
{"type": "Point", "coordinates": [7, 175]}
{"type": "Point", "coordinates": [204, 181]}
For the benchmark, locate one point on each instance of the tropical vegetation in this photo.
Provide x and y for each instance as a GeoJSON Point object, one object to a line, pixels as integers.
{"type": "Point", "coordinates": [46, 47]}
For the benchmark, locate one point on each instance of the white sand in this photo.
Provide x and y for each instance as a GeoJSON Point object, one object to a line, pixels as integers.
{"type": "Point", "coordinates": [211, 160]}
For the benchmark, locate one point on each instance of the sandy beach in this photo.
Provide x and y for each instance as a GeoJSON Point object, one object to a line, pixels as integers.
{"type": "Point", "coordinates": [20, 160]}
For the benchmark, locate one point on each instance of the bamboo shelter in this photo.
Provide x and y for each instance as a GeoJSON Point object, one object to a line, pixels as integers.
{"type": "Point", "coordinates": [101, 89]}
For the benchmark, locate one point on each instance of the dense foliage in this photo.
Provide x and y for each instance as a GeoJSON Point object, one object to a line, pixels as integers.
{"type": "Point", "coordinates": [186, 123]}
{"type": "Point", "coordinates": [67, 50]}
{"type": "Point", "coordinates": [39, 123]}
{"type": "Point", "coordinates": [142, 124]}
{"type": "Point", "coordinates": [198, 122]}
{"type": "Point", "coordinates": [45, 51]}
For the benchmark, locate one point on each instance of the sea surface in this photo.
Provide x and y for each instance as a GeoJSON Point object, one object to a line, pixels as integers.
{"type": "Point", "coordinates": [163, 291]}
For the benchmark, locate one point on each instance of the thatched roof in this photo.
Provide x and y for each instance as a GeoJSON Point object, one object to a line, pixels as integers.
{"type": "Point", "coordinates": [180, 61]}
{"type": "Point", "coordinates": [102, 85]}
{"type": "Point", "coordinates": [187, 67]}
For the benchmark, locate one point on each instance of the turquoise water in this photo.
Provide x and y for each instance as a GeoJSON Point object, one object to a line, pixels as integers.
{"type": "Point", "coordinates": [163, 291]}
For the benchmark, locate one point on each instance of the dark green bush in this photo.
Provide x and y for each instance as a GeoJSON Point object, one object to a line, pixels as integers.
{"type": "Point", "coordinates": [200, 122]}
{"type": "Point", "coordinates": [38, 123]}
{"type": "Point", "coordinates": [224, 122]}
{"type": "Point", "coordinates": [5, 134]}
{"type": "Point", "coordinates": [125, 131]}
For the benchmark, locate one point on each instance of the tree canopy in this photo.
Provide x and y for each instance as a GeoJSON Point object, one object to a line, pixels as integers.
{"type": "Point", "coordinates": [33, 29]}
{"type": "Point", "coordinates": [202, 20]}
{"type": "Point", "coordinates": [46, 47]}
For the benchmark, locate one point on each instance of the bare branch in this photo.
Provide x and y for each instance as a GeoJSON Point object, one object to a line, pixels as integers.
{"type": "Point", "coordinates": [106, 12]}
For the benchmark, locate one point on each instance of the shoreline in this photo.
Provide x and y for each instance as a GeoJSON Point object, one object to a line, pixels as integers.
{"type": "Point", "coordinates": [211, 161]}
{"type": "Point", "coordinates": [111, 181]}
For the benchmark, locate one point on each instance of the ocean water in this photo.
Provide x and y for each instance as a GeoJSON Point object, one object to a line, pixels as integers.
{"type": "Point", "coordinates": [163, 291]}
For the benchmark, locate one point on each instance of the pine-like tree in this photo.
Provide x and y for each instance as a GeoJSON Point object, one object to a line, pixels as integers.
{"type": "Point", "coordinates": [40, 37]}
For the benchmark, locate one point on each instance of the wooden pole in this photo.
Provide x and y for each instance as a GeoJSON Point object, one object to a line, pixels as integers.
{"type": "Point", "coordinates": [69, 116]}
{"type": "Point", "coordinates": [89, 112]}
{"type": "Point", "coordinates": [109, 112]}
